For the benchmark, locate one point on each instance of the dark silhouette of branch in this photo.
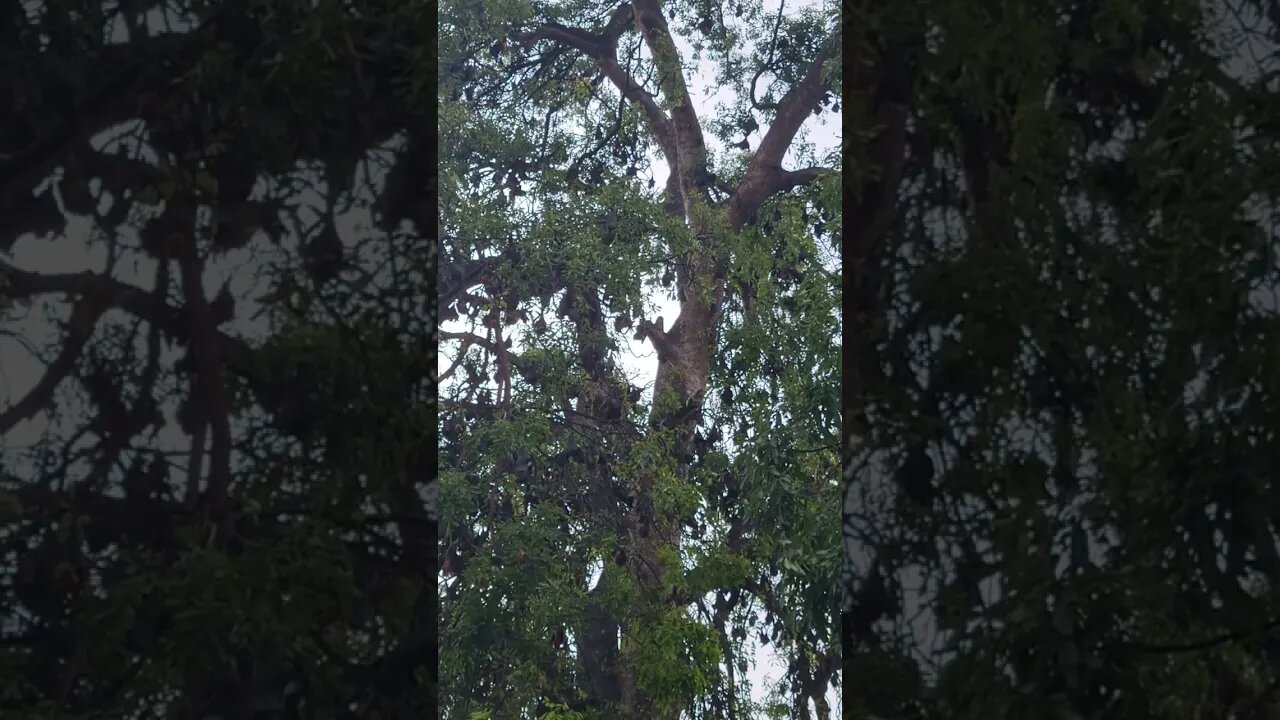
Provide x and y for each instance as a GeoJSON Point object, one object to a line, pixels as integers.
{"type": "Point", "coordinates": [602, 45]}
{"type": "Point", "coordinates": [1193, 646]}
{"type": "Point", "coordinates": [790, 179]}
{"type": "Point", "coordinates": [773, 44]}
{"type": "Point", "coordinates": [84, 317]}
{"type": "Point", "coordinates": [109, 293]}
{"type": "Point", "coordinates": [206, 383]}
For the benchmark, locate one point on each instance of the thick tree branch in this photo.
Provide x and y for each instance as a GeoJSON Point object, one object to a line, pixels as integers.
{"type": "Point", "coordinates": [206, 385]}
{"type": "Point", "coordinates": [135, 66]}
{"type": "Point", "coordinates": [604, 48]}
{"type": "Point", "coordinates": [1194, 646]}
{"type": "Point", "coordinates": [659, 125]}
{"type": "Point", "coordinates": [874, 205]}
{"type": "Point", "coordinates": [25, 284]}
{"type": "Point", "coordinates": [790, 179]}
{"type": "Point", "coordinates": [111, 293]}
{"type": "Point", "coordinates": [576, 38]}
{"type": "Point", "coordinates": [602, 45]}
{"type": "Point", "coordinates": [794, 107]}
{"type": "Point", "coordinates": [764, 176]}
{"type": "Point", "coordinates": [468, 339]}
{"type": "Point", "coordinates": [674, 202]}
{"type": "Point", "coordinates": [690, 165]}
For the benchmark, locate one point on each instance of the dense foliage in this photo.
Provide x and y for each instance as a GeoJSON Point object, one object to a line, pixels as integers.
{"type": "Point", "coordinates": [617, 545]}
{"type": "Point", "coordinates": [1063, 390]}
{"type": "Point", "coordinates": [213, 500]}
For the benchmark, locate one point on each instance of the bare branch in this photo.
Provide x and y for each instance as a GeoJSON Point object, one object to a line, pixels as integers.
{"type": "Point", "coordinates": [111, 293]}
{"type": "Point", "coordinates": [603, 45]}
{"type": "Point", "coordinates": [764, 176]}
{"type": "Point", "coordinates": [773, 45]}
{"type": "Point", "coordinates": [790, 179]}
{"type": "Point", "coordinates": [468, 339]}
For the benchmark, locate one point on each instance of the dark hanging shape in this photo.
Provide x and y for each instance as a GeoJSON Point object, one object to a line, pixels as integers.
{"type": "Point", "coordinates": [609, 225]}
{"type": "Point", "coordinates": [915, 477]}
{"type": "Point", "coordinates": [223, 307]}
{"type": "Point", "coordinates": [323, 255]}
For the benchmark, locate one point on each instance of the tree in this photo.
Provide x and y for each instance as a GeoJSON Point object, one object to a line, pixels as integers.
{"type": "Point", "coordinates": [222, 511]}
{"type": "Point", "coordinates": [614, 548]}
{"type": "Point", "coordinates": [1061, 391]}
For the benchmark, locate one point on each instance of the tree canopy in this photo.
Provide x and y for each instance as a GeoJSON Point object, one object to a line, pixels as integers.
{"type": "Point", "coordinates": [213, 499]}
{"type": "Point", "coordinates": [1061, 384]}
{"type": "Point", "coordinates": [614, 545]}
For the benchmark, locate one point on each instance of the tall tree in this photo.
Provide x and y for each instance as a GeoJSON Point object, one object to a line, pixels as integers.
{"type": "Point", "coordinates": [609, 542]}
{"type": "Point", "coordinates": [1061, 494]}
{"type": "Point", "coordinates": [222, 512]}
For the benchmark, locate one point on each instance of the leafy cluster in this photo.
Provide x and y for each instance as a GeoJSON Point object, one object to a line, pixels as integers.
{"type": "Point", "coordinates": [215, 502]}
{"type": "Point", "coordinates": [1064, 372]}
